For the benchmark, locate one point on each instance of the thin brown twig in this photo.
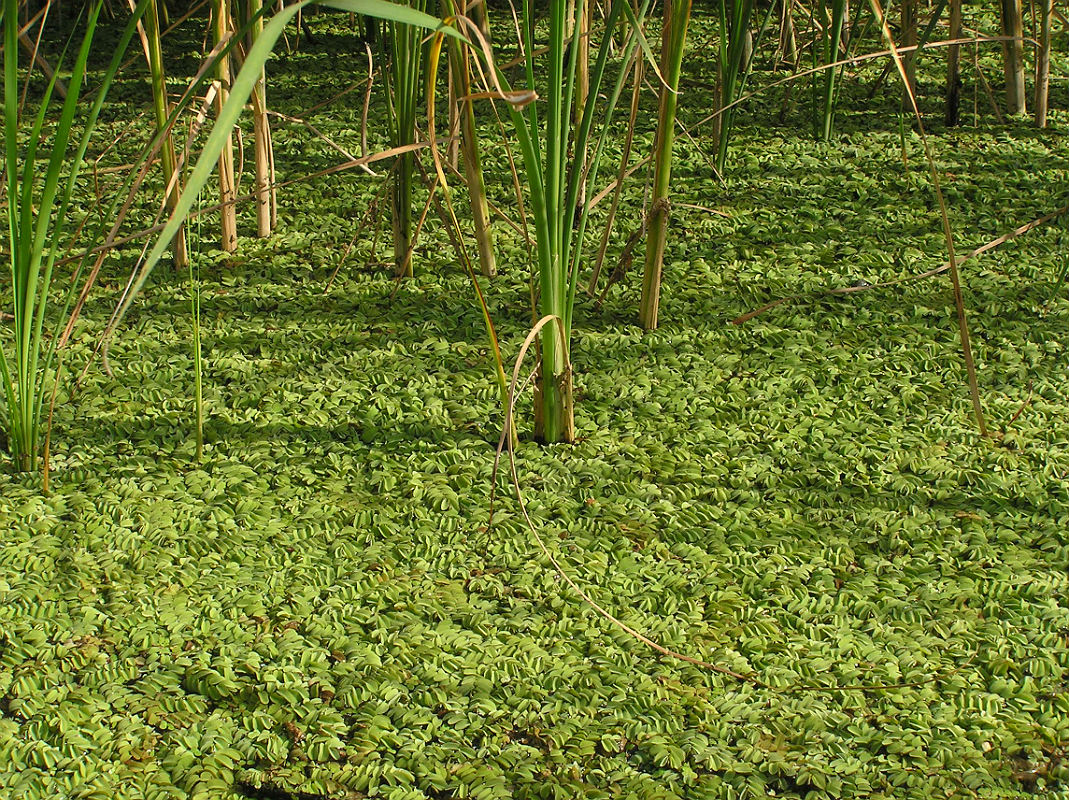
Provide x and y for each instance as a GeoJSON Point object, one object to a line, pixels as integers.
{"type": "Point", "coordinates": [1024, 405]}
{"type": "Point", "coordinates": [906, 278]}
{"type": "Point", "coordinates": [847, 62]}
{"type": "Point", "coordinates": [509, 412]}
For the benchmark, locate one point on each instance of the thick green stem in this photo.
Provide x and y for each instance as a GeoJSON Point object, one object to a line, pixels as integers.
{"type": "Point", "coordinates": [557, 157]}
{"type": "Point", "coordinates": [734, 18]}
{"type": "Point", "coordinates": [401, 214]}
{"type": "Point", "coordinates": [168, 160]}
{"type": "Point", "coordinates": [674, 38]}
{"type": "Point", "coordinates": [1013, 55]}
{"type": "Point", "coordinates": [227, 191]}
{"type": "Point", "coordinates": [460, 63]}
{"type": "Point", "coordinates": [554, 419]}
{"type": "Point", "coordinates": [1043, 63]}
{"type": "Point", "coordinates": [832, 39]}
{"type": "Point", "coordinates": [406, 76]}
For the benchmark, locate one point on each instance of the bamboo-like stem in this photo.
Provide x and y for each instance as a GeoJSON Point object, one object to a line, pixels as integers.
{"type": "Point", "coordinates": [401, 215]}
{"type": "Point", "coordinates": [460, 74]}
{"type": "Point", "coordinates": [264, 160]}
{"type": "Point", "coordinates": [554, 410]}
{"type": "Point", "coordinates": [581, 49]}
{"type": "Point", "coordinates": [405, 72]}
{"type": "Point", "coordinates": [832, 38]}
{"type": "Point", "coordinates": [1013, 55]}
{"type": "Point", "coordinates": [909, 39]}
{"type": "Point", "coordinates": [1043, 63]}
{"type": "Point", "coordinates": [168, 160]}
{"type": "Point", "coordinates": [673, 40]}
{"type": "Point", "coordinates": [734, 20]}
{"type": "Point", "coordinates": [953, 89]}
{"type": "Point", "coordinates": [948, 234]}
{"type": "Point", "coordinates": [227, 185]}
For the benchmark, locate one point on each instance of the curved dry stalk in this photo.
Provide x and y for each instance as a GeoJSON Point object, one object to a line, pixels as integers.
{"type": "Point", "coordinates": [515, 388]}
{"type": "Point", "coordinates": [991, 245]}
{"type": "Point", "coordinates": [367, 104]}
{"type": "Point", "coordinates": [532, 337]}
{"type": "Point", "coordinates": [846, 62]}
{"type": "Point", "coordinates": [955, 277]}
{"type": "Point", "coordinates": [372, 211]}
{"type": "Point", "coordinates": [449, 213]}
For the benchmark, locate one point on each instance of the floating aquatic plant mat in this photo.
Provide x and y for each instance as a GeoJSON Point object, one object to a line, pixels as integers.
{"type": "Point", "coordinates": [320, 610]}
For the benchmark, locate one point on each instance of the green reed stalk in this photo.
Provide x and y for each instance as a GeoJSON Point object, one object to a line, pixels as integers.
{"type": "Point", "coordinates": [673, 40]}
{"type": "Point", "coordinates": [40, 194]}
{"type": "Point", "coordinates": [831, 37]}
{"type": "Point", "coordinates": [557, 156]}
{"type": "Point", "coordinates": [221, 25]}
{"type": "Point", "coordinates": [734, 18]}
{"type": "Point", "coordinates": [161, 107]}
{"type": "Point", "coordinates": [404, 78]}
{"type": "Point", "coordinates": [460, 63]}
{"type": "Point", "coordinates": [198, 359]}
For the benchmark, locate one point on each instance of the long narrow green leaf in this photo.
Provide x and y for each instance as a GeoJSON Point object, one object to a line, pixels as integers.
{"type": "Point", "coordinates": [89, 127]}
{"type": "Point", "coordinates": [240, 91]}
{"type": "Point", "coordinates": [37, 281]}
{"type": "Point", "coordinates": [11, 101]}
